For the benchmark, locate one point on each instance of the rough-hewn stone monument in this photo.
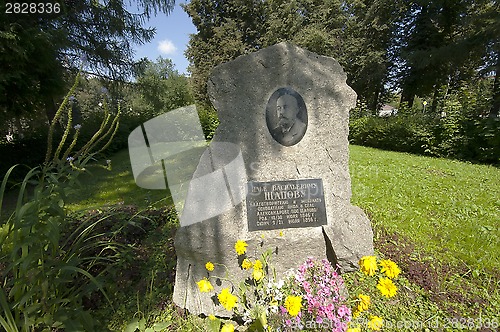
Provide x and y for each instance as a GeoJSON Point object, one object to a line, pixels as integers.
{"type": "Point", "coordinates": [277, 168]}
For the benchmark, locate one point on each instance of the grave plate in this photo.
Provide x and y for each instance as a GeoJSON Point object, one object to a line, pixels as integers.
{"type": "Point", "coordinates": [285, 204]}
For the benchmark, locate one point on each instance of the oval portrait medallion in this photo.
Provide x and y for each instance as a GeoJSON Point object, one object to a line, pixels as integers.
{"type": "Point", "coordinates": [286, 116]}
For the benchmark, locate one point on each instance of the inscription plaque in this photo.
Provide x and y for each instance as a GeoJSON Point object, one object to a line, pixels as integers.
{"type": "Point", "coordinates": [285, 204]}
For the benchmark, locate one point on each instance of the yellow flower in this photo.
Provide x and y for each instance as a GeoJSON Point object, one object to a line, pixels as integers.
{"type": "Point", "coordinates": [257, 265]}
{"type": "Point", "coordinates": [375, 323]}
{"type": "Point", "coordinates": [387, 287]}
{"type": "Point", "coordinates": [241, 247]}
{"type": "Point", "coordinates": [209, 266]}
{"type": "Point", "coordinates": [390, 268]}
{"type": "Point", "coordinates": [364, 303]}
{"type": "Point", "coordinates": [228, 327]}
{"type": "Point", "coordinates": [354, 329]}
{"type": "Point", "coordinates": [355, 313]}
{"type": "Point", "coordinates": [211, 317]}
{"type": "Point", "coordinates": [281, 233]}
{"type": "Point", "coordinates": [257, 274]}
{"type": "Point", "coordinates": [246, 264]}
{"type": "Point", "coordinates": [204, 285]}
{"type": "Point", "coordinates": [368, 264]}
{"type": "Point", "coordinates": [227, 299]}
{"type": "Point", "coordinates": [293, 304]}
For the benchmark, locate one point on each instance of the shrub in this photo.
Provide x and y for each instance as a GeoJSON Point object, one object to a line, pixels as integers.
{"type": "Point", "coordinates": [459, 128]}
{"type": "Point", "coordinates": [401, 133]}
{"type": "Point", "coordinates": [209, 121]}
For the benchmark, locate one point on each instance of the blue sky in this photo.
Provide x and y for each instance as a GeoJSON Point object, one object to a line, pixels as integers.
{"type": "Point", "coordinates": [171, 39]}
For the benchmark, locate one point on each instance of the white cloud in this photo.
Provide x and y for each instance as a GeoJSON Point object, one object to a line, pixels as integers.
{"type": "Point", "coordinates": [166, 47]}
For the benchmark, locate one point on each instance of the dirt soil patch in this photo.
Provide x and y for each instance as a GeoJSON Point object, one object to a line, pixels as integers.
{"type": "Point", "coordinates": [431, 276]}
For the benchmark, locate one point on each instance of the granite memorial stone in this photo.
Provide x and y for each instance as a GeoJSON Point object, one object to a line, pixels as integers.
{"type": "Point", "coordinates": [276, 172]}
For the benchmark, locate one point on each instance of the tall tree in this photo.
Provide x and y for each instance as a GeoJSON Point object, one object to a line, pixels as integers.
{"type": "Point", "coordinates": [338, 28]}
{"type": "Point", "coordinates": [36, 49]}
{"type": "Point", "coordinates": [226, 29]}
{"type": "Point", "coordinates": [162, 87]}
{"type": "Point", "coordinates": [484, 41]}
{"type": "Point", "coordinates": [312, 24]}
{"type": "Point", "coordinates": [368, 54]}
{"type": "Point", "coordinates": [437, 49]}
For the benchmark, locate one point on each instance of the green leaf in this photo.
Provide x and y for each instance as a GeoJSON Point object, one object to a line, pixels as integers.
{"type": "Point", "coordinates": [256, 326]}
{"type": "Point", "coordinates": [6, 319]}
{"type": "Point", "coordinates": [161, 326]}
{"type": "Point", "coordinates": [142, 324]}
{"type": "Point", "coordinates": [132, 326]}
{"type": "Point", "coordinates": [213, 325]}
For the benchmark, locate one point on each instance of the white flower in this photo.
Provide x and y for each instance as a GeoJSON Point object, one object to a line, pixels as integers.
{"type": "Point", "coordinates": [246, 317]}
{"type": "Point", "coordinates": [77, 126]}
{"type": "Point", "coordinates": [100, 104]}
{"type": "Point", "coordinates": [70, 159]}
{"type": "Point", "coordinates": [9, 137]}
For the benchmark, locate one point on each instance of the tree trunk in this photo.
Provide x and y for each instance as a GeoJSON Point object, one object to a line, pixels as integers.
{"type": "Point", "coordinates": [50, 108]}
{"type": "Point", "coordinates": [376, 96]}
{"type": "Point", "coordinates": [435, 98]}
{"type": "Point", "coordinates": [495, 107]}
{"type": "Point", "coordinates": [407, 97]}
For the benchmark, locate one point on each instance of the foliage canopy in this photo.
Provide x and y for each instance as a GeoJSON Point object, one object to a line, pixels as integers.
{"type": "Point", "coordinates": [36, 50]}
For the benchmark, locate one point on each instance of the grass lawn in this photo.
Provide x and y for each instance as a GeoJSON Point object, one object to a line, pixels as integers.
{"type": "Point", "coordinates": [100, 188]}
{"type": "Point", "coordinates": [450, 208]}
{"type": "Point", "coordinates": [438, 219]}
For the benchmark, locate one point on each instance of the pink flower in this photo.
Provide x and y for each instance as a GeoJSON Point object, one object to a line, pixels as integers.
{"type": "Point", "coordinates": [343, 310]}
{"type": "Point", "coordinates": [319, 285]}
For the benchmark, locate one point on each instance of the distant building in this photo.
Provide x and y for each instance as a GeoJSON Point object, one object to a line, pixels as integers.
{"type": "Point", "coordinates": [387, 110]}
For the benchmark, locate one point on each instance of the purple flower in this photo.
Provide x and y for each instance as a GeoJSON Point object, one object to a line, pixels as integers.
{"type": "Point", "coordinates": [318, 283]}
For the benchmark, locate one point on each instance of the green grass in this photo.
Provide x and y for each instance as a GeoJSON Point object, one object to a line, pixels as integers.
{"type": "Point", "coordinates": [447, 210]}
{"type": "Point", "coordinates": [450, 208]}
{"type": "Point", "coordinates": [100, 188]}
